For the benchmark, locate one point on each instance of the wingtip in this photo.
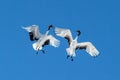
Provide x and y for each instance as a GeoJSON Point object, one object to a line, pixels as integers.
{"type": "Point", "coordinates": [96, 54]}
{"type": "Point", "coordinates": [22, 27]}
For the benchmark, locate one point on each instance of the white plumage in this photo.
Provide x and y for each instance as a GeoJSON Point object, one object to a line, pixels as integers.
{"type": "Point", "coordinates": [74, 45]}
{"type": "Point", "coordinates": [49, 39]}
{"type": "Point", "coordinates": [34, 33]}
{"type": "Point", "coordinates": [42, 39]}
{"type": "Point", "coordinates": [89, 47]}
{"type": "Point", "coordinates": [65, 33]}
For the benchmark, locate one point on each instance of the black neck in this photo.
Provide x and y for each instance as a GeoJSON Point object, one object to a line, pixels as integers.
{"type": "Point", "coordinates": [78, 32]}
{"type": "Point", "coordinates": [50, 26]}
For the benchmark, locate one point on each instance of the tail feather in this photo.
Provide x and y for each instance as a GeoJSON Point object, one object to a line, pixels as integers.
{"type": "Point", "coordinates": [36, 46]}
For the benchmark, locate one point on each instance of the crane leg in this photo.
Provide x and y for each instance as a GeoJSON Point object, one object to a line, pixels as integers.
{"type": "Point", "coordinates": [68, 56]}
{"type": "Point", "coordinates": [37, 53]}
{"type": "Point", "coordinates": [72, 58]}
{"type": "Point", "coordinates": [43, 51]}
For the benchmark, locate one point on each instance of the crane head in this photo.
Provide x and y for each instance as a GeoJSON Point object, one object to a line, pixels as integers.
{"type": "Point", "coordinates": [50, 26]}
{"type": "Point", "coordinates": [78, 32]}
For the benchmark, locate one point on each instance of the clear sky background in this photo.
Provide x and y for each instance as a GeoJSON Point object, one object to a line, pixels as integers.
{"type": "Point", "coordinates": [98, 20]}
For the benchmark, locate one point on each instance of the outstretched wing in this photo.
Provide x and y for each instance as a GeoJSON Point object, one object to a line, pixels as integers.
{"type": "Point", "coordinates": [53, 41]}
{"type": "Point", "coordinates": [66, 33]}
{"type": "Point", "coordinates": [33, 32]}
{"type": "Point", "coordinates": [89, 47]}
{"type": "Point", "coordinates": [46, 40]}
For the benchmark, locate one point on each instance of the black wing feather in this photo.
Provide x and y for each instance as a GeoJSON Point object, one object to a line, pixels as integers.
{"type": "Point", "coordinates": [68, 39]}
{"type": "Point", "coordinates": [31, 35]}
{"type": "Point", "coordinates": [46, 43]}
{"type": "Point", "coordinates": [78, 47]}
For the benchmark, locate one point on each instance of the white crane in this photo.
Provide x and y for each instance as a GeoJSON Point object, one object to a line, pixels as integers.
{"type": "Point", "coordinates": [42, 39]}
{"type": "Point", "coordinates": [74, 45]}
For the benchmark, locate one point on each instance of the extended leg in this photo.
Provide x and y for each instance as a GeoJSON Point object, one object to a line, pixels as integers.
{"type": "Point", "coordinates": [71, 58]}
{"type": "Point", "coordinates": [68, 56]}
{"type": "Point", "coordinates": [43, 51]}
{"type": "Point", "coordinates": [37, 53]}
{"type": "Point", "coordinates": [40, 50]}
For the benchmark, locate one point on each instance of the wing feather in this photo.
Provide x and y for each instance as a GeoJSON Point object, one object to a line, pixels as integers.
{"type": "Point", "coordinates": [65, 33]}
{"type": "Point", "coordinates": [53, 41]}
{"type": "Point", "coordinates": [89, 47]}
{"type": "Point", "coordinates": [33, 32]}
{"type": "Point", "coordinates": [46, 40]}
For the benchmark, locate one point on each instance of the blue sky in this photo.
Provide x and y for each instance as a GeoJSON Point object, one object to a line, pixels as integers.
{"type": "Point", "coordinates": [99, 22]}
